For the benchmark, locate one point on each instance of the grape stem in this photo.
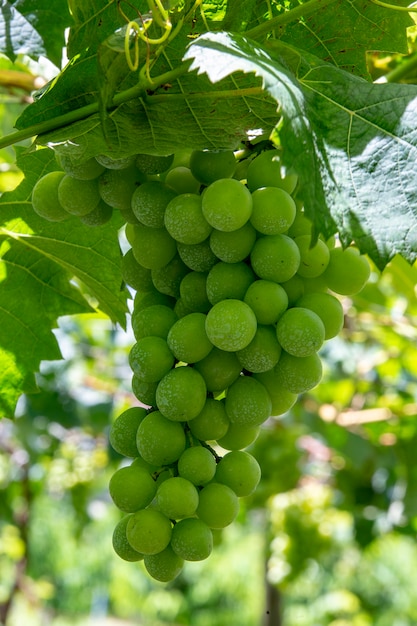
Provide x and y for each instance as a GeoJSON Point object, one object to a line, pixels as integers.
{"type": "Point", "coordinates": [214, 453]}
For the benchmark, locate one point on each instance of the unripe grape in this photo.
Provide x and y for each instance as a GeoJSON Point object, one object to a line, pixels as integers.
{"type": "Point", "coordinates": [233, 246]}
{"type": "Point", "coordinates": [167, 279]}
{"type": "Point", "coordinates": [144, 392]}
{"type": "Point", "coordinates": [123, 431]}
{"type": "Point", "coordinates": [160, 441]}
{"type": "Point", "coordinates": [247, 402]}
{"type": "Point", "coordinates": [184, 219]}
{"type": "Point", "coordinates": [153, 321]}
{"type": "Point", "coordinates": [228, 281]}
{"type": "Point", "coordinates": [328, 308]}
{"type": "Point", "coordinates": [153, 164]}
{"type": "Point", "coordinates": [347, 271]}
{"type": "Point", "coordinates": [153, 247]}
{"type": "Point", "coordinates": [299, 374]}
{"type": "Point", "coordinates": [98, 216]}
{"type": "Point", "coordinates": [218, 506]}
{"type": "Point", "coordinates": [227, 204]}
{"type": "Point", "coordinates": [300, 332]}
{"type": "Point", "coordinates": [45, 198]}
{"type": "Point", "coordinates": [198, 256]}
{"type": "Point", "coordinates": [197, 464]}
{"type": "Point", "coordinates": [149, 202]}
{"type": "Point", "coordinates": [149, 531]}
{"type": "Point", "coordinates": [212, 421]}
{"type": "Point", "coordinates": [83, 171]}
{"type": "Point", "coordinates": [267, 299]}
{"type": "Point", "coordinates": [210, 165]}
{"type": "Point", "coordinates": [231, 325]}
{"type": "Point", "coordinates": [116, 187]}
{"type": "Point", "coordinates": [112, 163]}
{"type": "Point", "coordinates": [263, 352]}
{"type": "Point", "coordinates": [177, 498]}
{"type": "Point", "coordinates": [181, 180]}
{"type": "Point", "coordinates": [192, 539]}
{"type": "Point", "coordinates": [313, 260]}
{"type": "Point", "coordinates": [134, 274]}
{"type": "Point", "coordinates": [219, 369]}
{"type": "Point", "coordinates": [238, 438]}
{"type": "Point", "coordinates": [150, 359]}
{"type": "Point", "coordinates": [187, 338]}
{"type": "Point", "coordinates": [181, 394]}
{"type": "Point", "coordinates": [164, 566]}
{"type": "Point", "coordinates": [121, 545]}
{"type": "Point", "coordinates": [275, 257]}
{"type": "Point", "coordinates": [131, 488]}
{"type": "Point", "coordinates": [240, 471]}
{"type": "Point", "coordinates": [273, 210]}
{"type": "Point", "coordinates": [194, 293]}
{"type": "Point", "coordinates": [282, 399]}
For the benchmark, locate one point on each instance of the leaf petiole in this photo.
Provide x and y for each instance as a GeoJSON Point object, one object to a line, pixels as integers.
{"type": "Point", "coordinates": [394, 7]}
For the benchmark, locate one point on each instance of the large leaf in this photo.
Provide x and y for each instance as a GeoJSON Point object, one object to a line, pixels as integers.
{"type": "Point", "coordinates": [39, 262]}
{"type": "Point", "coordinates": [352, 143]}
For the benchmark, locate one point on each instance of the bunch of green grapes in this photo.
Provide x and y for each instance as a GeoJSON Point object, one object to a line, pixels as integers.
{"type": "Point", "coordinates": [233, 300]}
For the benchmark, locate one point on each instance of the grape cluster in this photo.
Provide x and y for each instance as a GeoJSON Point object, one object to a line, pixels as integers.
{"type": "Point", "coordinates": [233, 300]}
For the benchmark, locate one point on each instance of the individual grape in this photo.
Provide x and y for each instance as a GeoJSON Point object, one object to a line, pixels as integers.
{"type": "Point", "coordinates": [177, 498]}
{"type": "Point", "coordinates": [181, 394]}
{"type": "Point", "coordinates": [149, 201]}
{"type": "Point", "coordinates": [211, 423]}
{"type": "Point", "coordinates": [112, 163]}
{"type": "Point", "coordinates": [315, 285]}
{"type": "Point", "coordinates": [98, 216]}
{"type": "Point", "coordinates": [247, 402]}
{"type": "Point", "coordinates": [144, 299]}
{"type": "Point", "coordinates": [167, 279]}
{"type": "Point", "coordinates": [181, 309]}
{"type": "Point", "coordinates": [228, 280]}
{"type": "Point", "coordinates": [151, 469]}
{"type": "Point", "coordinates": [231, 325]}
{"type": "Point", "coordinates": [300, 332]}
{"type": "Point", "coordinates": [275, 257]}
{"type": "Point", "coordinates": [218, 506]}
{"type": "Point", "coordinates": [116, 187]}
{"type": "Point", "coordinates": [347, 271]}
{"type": "Point", "coordinates": [82, 171]}
{"type": "Point", "coordinates": [299, 374]}
{"type": "Point", "coordinates": [240, 471]}
{"type": "Point", "coordinates": [144, 392]}
{"type": "Point", "coordinates": [121, 545]}
{"type": "Point", "coordinates": [294, 288]}
{"type": "Point", "coordinates": [153, 164]}
{"type": "Point", "coordinates": [193, 292]}
{"type": "Point", "coordinates": [197, 256]}
{"type": "Point", "coordinates": [154, 321]}
{"type": "Point", "coordinates": [160, 441]}
{"type": "Point", "coordinates": [313, 260]}
{"type": "Point", "coordinates": [187, 338]}
{"type": "Point", "coordinates": [233, 246]}
{"type": "Point", "coordinates": [219, 369]}
{"type": "Point", "coordinates": [265, 171]}
{"type": "Point", "coordinates": [181, 180]}
{"type": "Point", "coordinates": [128, 216]}
{"type": "Point", "coordinates": [192, 539]}
{"type": "Point", "coordinates": [164, 566]}
{"type": "Point", "coordinates": [153, 247]}
{"type": "Point", "coordinates": [149, 531]}
{"type": "Point", "coordinates": [263, 352]}
{"type": "Point", "coordinates": [300, 226]}
{"type": "Point", "coordinates": [227, 204]}
{"type": "Point", "coordinates": [184, 219]}
{"type": "Point", "coordinates": [123, 431]}
{"type": "Point", "coordinates": [45, 200]}
{"type": "Point", "coordinates": [238, 438]}
{"type": "Point", "coordinates": [273, 210]}
{"type": "Point", "coordinates": [78, 197]}
{"type": "Point", "coordinates": [132, 488]}
{"type": "Point", "coordinates": [197, 464]}
{"type": "Point", "coordinates": [328, 308]}
{"type": "Point", "coordinates": [134, 274]}
{"type": "Point", "coordinates": [282, 399]}
{"type": "Point", "coordinates": [210, 165]}
{"type": "Point", "coordinates": [150, 359]}
{"type": "Point", "coordinates": [267, 299]}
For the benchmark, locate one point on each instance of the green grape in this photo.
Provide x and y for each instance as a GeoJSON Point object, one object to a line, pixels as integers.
{"type": "Point", "coordinates": [275, 257]}
{"type": "Point", "coordinates": [347, 271]}
{"type": "Point", "coordinates": [120, 543]}
{"type": "Point", "coordinates": [181, 180]}
{"type": "Point", "coordinates": [45, 199]}
{"type": "Point", "coordinates": [247, 402]}
{"type": "Point", "coordinates": [164, 566]}
{"type": "Point", "coordinates": [265, 171]}
{"type": "Point", "coordinates": [282, 399]}
{"type": "Point", "coordinates": [149, 531]}
{"type": "Point", "coordinates": [218, 506]}
{"type": "Point", "coordinates": [313, 260]}
{"type": "Point", "coordinates": [128, 216]}
{"type": "Point", "coordinates": [228, 280]}
{"type": "Point", "coordinates": [240, 471]}
{"type": "Point", "coordinates": [231, 325]}
{"type": "Point", "coordinates": [144, 299]}
{"type": "Point", "coordinates": [181, 394]}
{"type": "Point", "coordinates": [294, 288]}
{"type": "Point", "coordinates": [267, 299]}
{"type": "Point", "coordinates": [238, 438]}
{"type": "Point", "coordinates": [177, 498]}
{"type": "Point", "coordinates": [116, 187]}
{"type": "Point", "coordinates": [83, 171]}
{"type": "Point", "coordinates": [273, 210]}
{"type": "Point", "coordinates": [328, 308]}
{"type": "Point", "coordinates": [98, 216]}
{"type": "Point", "coordinates": [192, 539]}
{"type": "Point", "coordinates": [132, 488]}
{"type": "Point", "coordinates": [227, 204]}
{"type": "Point", "coordinates": [300, 332]}
{"type": "Point", "coordinates": [134, 274]}
{"type": "Point", "coordinates": [123, 431]}
{"type": "Point", "coordinates": [154, 321]}
{"type": "Point", "coordinates": [300, 226]}
{"type": "Point", "coordinates": [210, 165]}
{"type": "Point", "coordinates": [235, 245]}
{"type": "Point", "coordinates": [212, 421]}
{"type": "Point", "coordinates": [315, 285]}
{"type": "Point", "coordinates": [184, 219]}
{"type": "Point", "coordinates": [219, 369]}
{"type": "Point", "coordinates": [149, 202]}
{"type": "Point", "coordinates": [144, 392]}
{"type": "Point", "coordinates": [151, 469]}
{"type": "Point", "coordinates": [150, 359]}
{"type": "Point", "coordinates": [168, 279]}
{"type": "Point", "coordinates": [197, 256]}
{"type": "Point", "coordinates": [263, 352]}
{"type": "Point", "coordinates": [299, 374]}
{"type": "Point", "coordinates": [181, 309]}
{"type": "Point", "coordinates": [197, 464]}
{"type": "Point", "coordinates": [187, 338]}
{"type": "Point", "coordinates": [153, 164]}
{"type": "Point", "coordinates": [111, 163]}
{"type": "Point", "coordinates": [160, 441]}
{"type": "Point", "coordinates": [193, 292]}
{"type": "Point", "coordinates": [153, 247]}
{"type": "Point", "coordinates": [78, 197]}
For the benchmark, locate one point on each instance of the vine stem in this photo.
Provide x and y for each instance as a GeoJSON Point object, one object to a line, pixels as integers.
{"type": "Point", "coordinates": [302, 10]}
